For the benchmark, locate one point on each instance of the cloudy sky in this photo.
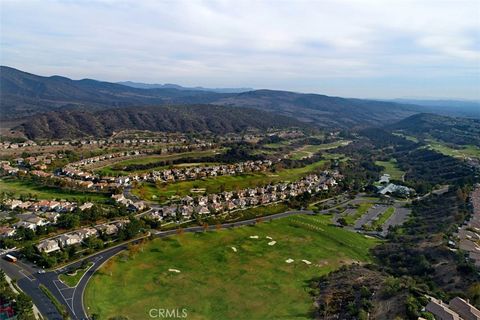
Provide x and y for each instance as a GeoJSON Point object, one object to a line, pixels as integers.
{"type": "Point", "coordinates": [354, 48]}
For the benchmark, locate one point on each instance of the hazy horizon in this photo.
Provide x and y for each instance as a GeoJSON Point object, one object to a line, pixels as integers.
{"type": "Point", "coordinates": [361, 49]}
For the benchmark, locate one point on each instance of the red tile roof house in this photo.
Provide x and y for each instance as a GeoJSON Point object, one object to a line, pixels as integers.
{"type": "Point", "coordinates": [6, 232]}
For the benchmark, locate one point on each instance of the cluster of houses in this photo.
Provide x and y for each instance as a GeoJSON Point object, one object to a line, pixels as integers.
{"type": "Point", "coordinates": [241, 199]}
{"type": "Point", "coordinates": [176, 138]}
{"type": "Point", "coordinates": [131, 205]}
{"type": "Point", "coordinates": [44, 205]}
{"type": "Point", "coordinates": [456, 309]}
{"type": "Point", "coordinates": [182, 174]}
{"type": "Point", "coordinates": [16, 145]}
{"type": "Point", "coordinates": [76, 237]}
{"type": "Point", "coordinates": [134, 153]}
{"type": "Point", "coordinates": [387, 188]}
{"type": "Point", "coordinates": [468, 235]}
{"type": "Point", "coordinates": [8, 169]}
{"type": "Point", "coordinates": [165, 138]}
{"type": "Point", "coordinates": [38, 213]}
{"type": "Point", "coordinates": [38, 162]}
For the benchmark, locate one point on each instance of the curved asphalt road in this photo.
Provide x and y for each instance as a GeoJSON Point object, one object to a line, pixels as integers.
{"type": "Point", "coordinates": [28, 279]}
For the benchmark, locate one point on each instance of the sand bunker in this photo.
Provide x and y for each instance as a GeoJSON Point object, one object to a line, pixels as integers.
{"type": "Point", "coordinates": [174, 270]}
{"type": "Point", "coordinates": [253, 237]}
{"type": "Point", "coordinates": [234, 249]}
{"type": "Point", "coordinates": [289, 260]}
{"type": "Point", "coordinates": [306, 261]}
{"type": "Point", "coordinates": [271, 243]}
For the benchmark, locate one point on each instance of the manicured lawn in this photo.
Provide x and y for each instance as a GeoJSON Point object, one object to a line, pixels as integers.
{"type": "Point", "coordinates": [361, 210]}
{"type": "Point", "coordinates": [72, 280]}
{"type": "Point", "coordinates": [391, 168]}
{"type": "Point", "coordinates": [383, 217]}
{"type": "Point", "coordinates": [28, 188]}
{"type": "Point", "coordinates": [217, 283]}
{"type": "Point", "coordinates": [160, 193]}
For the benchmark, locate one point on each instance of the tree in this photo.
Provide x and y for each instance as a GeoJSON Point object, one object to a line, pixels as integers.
{"type": "Point", "coordinates": [23, 306]}
{"type": "Point", "coordinates": [342, 221]}
{"type": "Point", "coordinates": [68, 221]}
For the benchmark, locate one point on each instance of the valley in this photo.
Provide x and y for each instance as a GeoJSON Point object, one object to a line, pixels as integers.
{"type": "Point", "coordinates": [110, 212]}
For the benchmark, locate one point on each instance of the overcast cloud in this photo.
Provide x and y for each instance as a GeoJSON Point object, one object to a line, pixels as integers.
{"type": "Point", "coordinates": [348, 48]}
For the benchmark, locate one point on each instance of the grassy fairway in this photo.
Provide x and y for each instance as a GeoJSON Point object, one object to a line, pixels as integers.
{"type": "Point", "coordinates": [217, 283]}
{"type": "Point", "coordinates": [115, 169]}
{"type": "Point", "coordinates": [160, 193]}
{"type": "Point", "coordinates": [309, 150]}
{"type": "Point", "coordinates": [27, 188]}
{"type": "Point", "coordinates": [391, 168]}
{"type": "Point", "coordinates": [461, 152]}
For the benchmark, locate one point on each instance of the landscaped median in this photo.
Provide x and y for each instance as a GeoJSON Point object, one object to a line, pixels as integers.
{"type": "Point", "coordinates": [361, 210]}
{"type": "Point", "coordinates": [71, 279]}
{"type": "Point", "coordinates": [59, 306]}
{"type": "Point", "coordinates": [383, 218]}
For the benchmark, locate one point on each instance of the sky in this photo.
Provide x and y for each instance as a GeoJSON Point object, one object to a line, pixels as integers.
{"type": "Point", "coordinates": [349, 48]}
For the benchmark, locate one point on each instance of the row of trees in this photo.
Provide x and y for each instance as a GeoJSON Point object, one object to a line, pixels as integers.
{"type": "Point", "coordinates": [20, 303]}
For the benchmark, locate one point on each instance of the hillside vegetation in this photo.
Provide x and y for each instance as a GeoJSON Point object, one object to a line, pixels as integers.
{"type": "Point", "coordinates": [24, 94]}
{"type": "Point", "coordinates": [459, 131]}
{"type": "Point", "coordinates": [198, 118]}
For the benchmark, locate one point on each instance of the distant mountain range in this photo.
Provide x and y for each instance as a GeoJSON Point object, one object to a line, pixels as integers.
{"type": "Point", "coordinates": [464, 108]}
{"type": "Point", "coordinates": [141, 85]}
{"type": "Point", "coordinates": [23, 96]}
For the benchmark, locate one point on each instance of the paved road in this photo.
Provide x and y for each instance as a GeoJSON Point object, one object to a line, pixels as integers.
{"type": "Point", "coordinates": [29, 279]}
{"type": "Point", "coordinates": [399, 217]}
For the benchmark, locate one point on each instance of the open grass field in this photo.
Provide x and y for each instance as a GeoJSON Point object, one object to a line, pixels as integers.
{"type": "Point", "coordinates": [26, 188]}
{"type": "Point", "coordinates": [115, 169]}
{"type": "Point", "coordinates": [309, 150]}
{"type": "Point", "coordinates": [391, 168]}
{"type": "Point", "coordinates": [278, 144]}
{"type": "Point", "coordinates": [215, 282]}
{"type": "Point", "coordinates": [461, 152]}
{"type": "Point", "coordinates": [150, 191]}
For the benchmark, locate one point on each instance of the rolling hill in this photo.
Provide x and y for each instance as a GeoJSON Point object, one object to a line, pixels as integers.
{"type": "Point", "coordinates": [23, 94]}
{"type": "Point", "coordinates": [459, 131]}
{"type": "Point", "coordinates": [194, 118]}
{"type": "Point", "coordinates": [321, 110]}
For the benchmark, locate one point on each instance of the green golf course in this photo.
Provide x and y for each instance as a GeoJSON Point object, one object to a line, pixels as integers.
{"type": "Point", "coordinates": [226, 274]}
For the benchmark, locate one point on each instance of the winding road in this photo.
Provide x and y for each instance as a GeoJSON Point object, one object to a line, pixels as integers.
{"type": "Point", "coordinates": [28, 276]}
